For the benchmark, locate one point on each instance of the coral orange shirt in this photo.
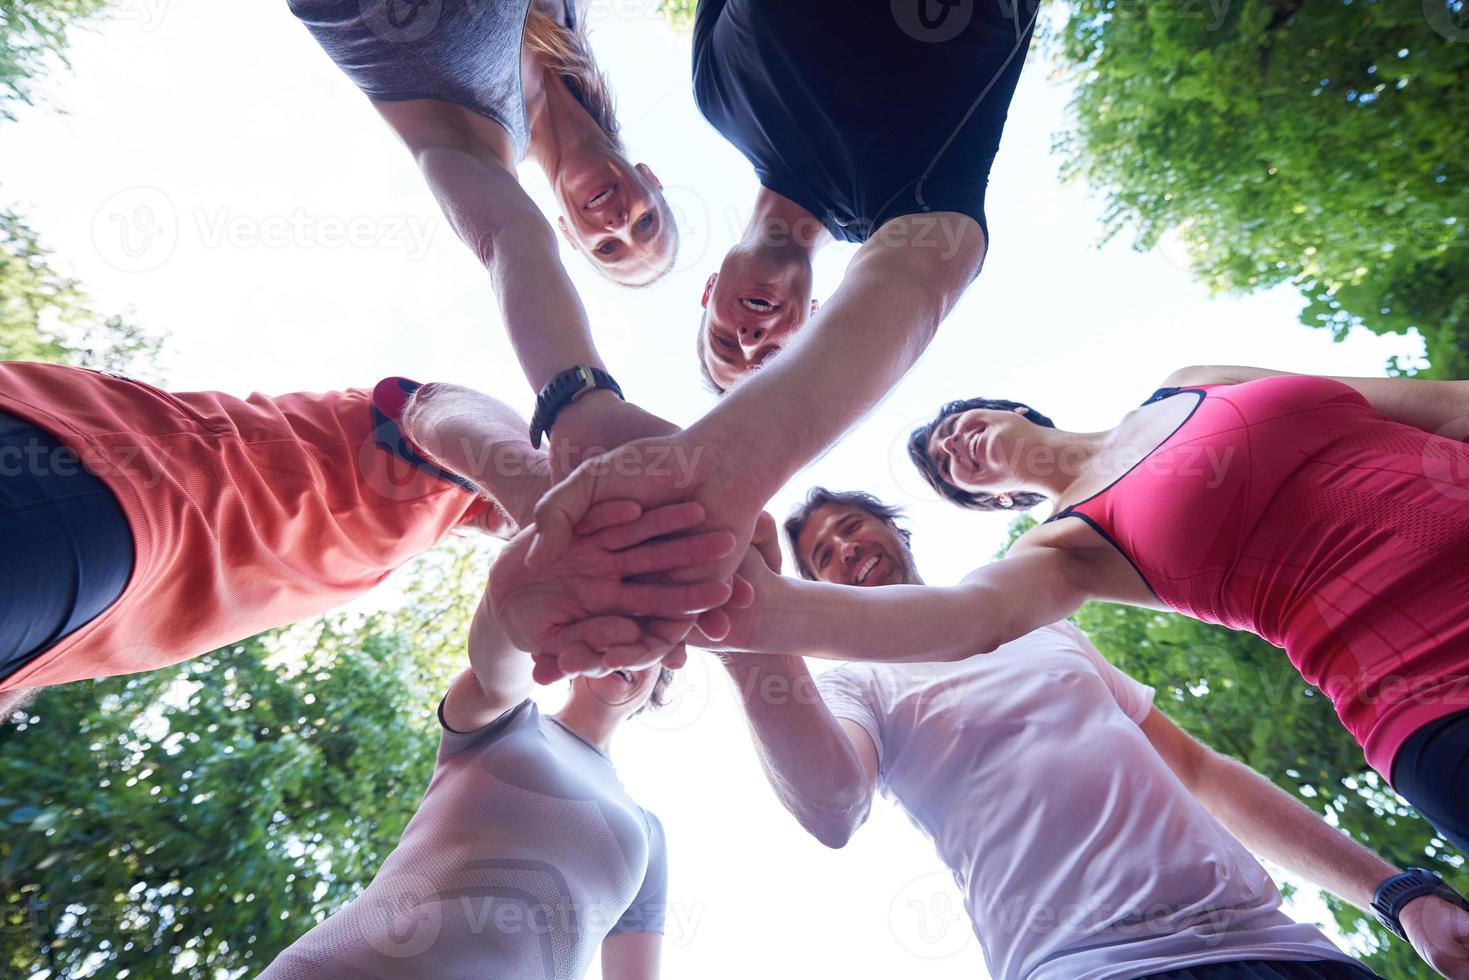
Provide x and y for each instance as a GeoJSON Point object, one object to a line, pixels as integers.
{"type": "Point", "coordinates": [246, 514]}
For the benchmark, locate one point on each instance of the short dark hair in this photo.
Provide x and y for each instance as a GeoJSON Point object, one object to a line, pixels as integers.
{"type": "Point", "coordinates": [662, 695]}
{"type": "Point", "coordinates": [820, 497]}
{"type": "Point", "coordinates": [701, 342]}
{"type": "Point", "coordinates": [929, 467]}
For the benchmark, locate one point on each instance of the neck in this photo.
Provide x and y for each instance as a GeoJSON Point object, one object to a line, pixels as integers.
{"type": "Point", "coordinates": [780, 230]}
{"type": "Point", "coordinates": [594, 725]}
{"type": "Point", "coordinates": [561, 128]}
{"type": "Point", "coordinates": [1076, 460]}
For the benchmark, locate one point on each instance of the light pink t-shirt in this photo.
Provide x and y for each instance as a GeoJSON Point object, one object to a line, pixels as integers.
{"type": "Point", "coordinates": [1079, 853]}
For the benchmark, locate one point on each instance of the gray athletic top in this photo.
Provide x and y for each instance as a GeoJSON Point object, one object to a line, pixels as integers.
{"type": "Point", "coordinates": [524, 854]}
{"type": "Point", "coordinates": [467, 52]}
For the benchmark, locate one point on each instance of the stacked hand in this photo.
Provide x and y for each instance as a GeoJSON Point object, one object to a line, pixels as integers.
{"type": "Point", "coordinates": [651, 473]}
{"type": "Point", "coordinates": [593, 601]}
{"type": "Point", "coordinates": [1439, 931]}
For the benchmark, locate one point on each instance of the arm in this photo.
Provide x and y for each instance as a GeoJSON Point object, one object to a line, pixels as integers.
{"type": "Point", "coordinates": [998, 603]}
{"type": "Point", "coordinates": [898, 289]}
{"type": "Point", "coordinates": [1277, 827]}
{"type": "Point", "coordinates": [822, 770]}
{"type": "Point", "coordinates": [499, 677]}
{"type": "Point", "coordinates": [1434, 406]}
{"type": "Point", "coordinates": [632, 956]}
{"type": "Point", "coordinates": [483, 440]}
{"type": "Point", "coordinates": [492, 214]}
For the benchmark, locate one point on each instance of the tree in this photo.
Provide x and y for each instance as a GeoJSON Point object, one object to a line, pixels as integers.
{"type": "Point", "coordinates": [1241, 696]}
{"type": "Point", "coordinates": [196, 821]}
{"type": "Point", "coordinates": [46, 316]}
{"type": "Point", "coordinates": [679, 12]}
{"type": "Point", "coordinates": [1318, 145]}
{"type": "Point", "coordinates": [31, 32]}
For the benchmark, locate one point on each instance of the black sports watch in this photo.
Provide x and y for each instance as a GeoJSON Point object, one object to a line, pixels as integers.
{"type": "Point", "coordinates": [561, 391]}
{"type": "Point", "coordinates": [1396, 892]}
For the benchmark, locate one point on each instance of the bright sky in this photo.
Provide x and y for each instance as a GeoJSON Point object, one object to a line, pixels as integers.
{"type": "Point", "coordinates": [215, 173]}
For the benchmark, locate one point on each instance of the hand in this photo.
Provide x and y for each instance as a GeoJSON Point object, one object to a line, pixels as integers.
{"type": "Point", "coordinates": [592, 600]}
{"type": "Point", "coordinates": [761, 569]}
{"type": "Point", "coordinates": [1439, 931]}
{"type": "Point", "coordinates": [596, 423]}
{"type": "Point", "coordinates": [653, 473]}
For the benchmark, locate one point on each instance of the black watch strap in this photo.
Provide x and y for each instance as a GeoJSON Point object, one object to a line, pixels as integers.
{"type": "Point", "coordinates": [1394, 894]}
{"type": "Point", "coordinates": [561, 391]}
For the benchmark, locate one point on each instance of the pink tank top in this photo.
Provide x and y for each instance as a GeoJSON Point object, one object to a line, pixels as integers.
{"type": "Point", "coordinates": [1291, 508]}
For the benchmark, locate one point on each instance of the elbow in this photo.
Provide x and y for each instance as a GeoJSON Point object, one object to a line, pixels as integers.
{"type": "Point", "coordinates": [832, 833]}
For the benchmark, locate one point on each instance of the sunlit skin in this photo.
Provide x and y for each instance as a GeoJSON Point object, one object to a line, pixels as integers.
{"type": "Point", "coordinates": [984, 451]}
{"type": "Point", "coordinates": [845, 545]}
{"type": "Point", "coordinates": [615, 214]}
{"type": "Point", "coordinates": [761, 294]}
{"type": "Point", "coordinates": [598, 705]}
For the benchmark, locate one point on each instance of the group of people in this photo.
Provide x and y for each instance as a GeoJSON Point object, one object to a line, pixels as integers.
{"type": "Point", "coordinates": [1090, 836]}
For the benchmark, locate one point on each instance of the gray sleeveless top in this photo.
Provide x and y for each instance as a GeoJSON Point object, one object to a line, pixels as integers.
{"type": "Point", "coordinates": [467, 52]}
{"type": "Point", "coordinates": [525, 853]}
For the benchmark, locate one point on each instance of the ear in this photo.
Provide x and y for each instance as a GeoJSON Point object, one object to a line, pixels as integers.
{"type": "Point", "coordinates": [1005, 500]}
{"type": "Point", "coordinates": [648, 173]}
{"type": "Point", "coordinates": [815, 305]}
{"type": "Point", "coordinates": [1021, 410]}
{"type": "Point", "coordinates": [709, 290]}
{"type": "Point", "coordinates": [566, 231]}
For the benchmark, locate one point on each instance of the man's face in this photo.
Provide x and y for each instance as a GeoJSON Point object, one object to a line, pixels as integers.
{"type": "Point", "coordinates": [845, 545]}
{"type": "Point", "coordinates": [752, 309]}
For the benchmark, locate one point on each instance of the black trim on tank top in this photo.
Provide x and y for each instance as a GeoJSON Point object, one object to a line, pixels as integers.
{"type": "Point", "coordinates": [1161, 394]}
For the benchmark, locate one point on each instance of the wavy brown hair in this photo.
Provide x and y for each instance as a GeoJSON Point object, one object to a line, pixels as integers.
{"type": "Point", "coordinates": [567, 54]}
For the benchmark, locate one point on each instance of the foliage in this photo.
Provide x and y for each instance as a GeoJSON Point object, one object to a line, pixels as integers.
{"type": "Point", "coordinates": [196, 821]}
{"type": "Point", "coordinates": [679, 12]}
{"type": "Point", "coordinates": [1322, 146]}
{"type": "Point", "coordinates": [1241, 696]}
{"type": "Point", "coordinates": [47, 316]}
{"type": "Point", "coordinates": [31, 33]}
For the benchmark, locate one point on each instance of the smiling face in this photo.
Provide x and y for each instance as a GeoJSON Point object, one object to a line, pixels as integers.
{"type": "Point", "coordinates": [980, 450]}
{"type": "Point", "coordinates": [619, 695]}
{"type": "Point", "coordinates": [752, 308]}
{"type": "Point", "coordinates": [615, 214]}
{"type": "Point", "coordinates": [845, 545]}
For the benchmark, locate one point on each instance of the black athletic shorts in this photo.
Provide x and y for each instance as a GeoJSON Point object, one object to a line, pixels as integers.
{"type": "Point", "coordinates": [1270, 970]}
{"type": "Point", "coordinates": [68, 550]}
{"type": "Point", "coordinates": [1431, 771]}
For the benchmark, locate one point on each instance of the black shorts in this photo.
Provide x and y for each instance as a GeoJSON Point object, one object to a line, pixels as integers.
{"type": "Point", "coordinates": [1431, 771]}
{"type": "Point", "coordinates": [68, 548]}
{"type": "Point", "coordinates": [1269, 970]}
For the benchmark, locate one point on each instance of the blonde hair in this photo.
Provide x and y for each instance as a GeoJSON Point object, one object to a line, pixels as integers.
{"type": "Point", "coordinates": [567, 53]}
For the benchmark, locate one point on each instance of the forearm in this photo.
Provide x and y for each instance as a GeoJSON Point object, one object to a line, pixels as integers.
{"type": "Point", "coordinates": [1277, 827]}
{"type": "Point", "coordinates": [493, 215]}
{"type": "Point", "coordinates": [893, 624]}
{"type": "Point", "coordinates": [845, 361]}
{"type": "Point", "coordinates": [481, 439]}
{"type": "Point", "coordinates": [807, 758]}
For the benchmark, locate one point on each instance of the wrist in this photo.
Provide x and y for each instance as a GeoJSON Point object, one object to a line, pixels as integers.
{"type": "Point", "coordinates": [746, 460]}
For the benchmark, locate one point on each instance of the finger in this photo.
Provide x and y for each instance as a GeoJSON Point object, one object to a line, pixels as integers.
{"type": "Point", "coordinates": [597, 633]}
{"type": "Point", "coordinates": [766, 541]}
{"type": "Point", "coordinates": [547, 669]}
{"type": "Point", "coordinates": [678, 658]}
{"type": "Point", "coordinates": [663, 556]}
{"type": "Point", "coordinates": [558, 512]}
{"type": "Point", "coordinates": [743, 596]}
{"type": "Point", "coordinates": [636, 656]}
{"type": "Point", "coordinates": [655, 523]}
{"type": "Point", "coordinates": [715, 624]}
{"type": "Point", "coordinates": [669, 601]}
{"type": "Point", "coordinates": [608, 513]}
{"type": "Point", "coordinates": [581, 660]}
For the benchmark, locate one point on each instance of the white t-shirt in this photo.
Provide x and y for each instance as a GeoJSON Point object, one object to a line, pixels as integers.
{"type": "Point", "coordinates": [1080, 854]}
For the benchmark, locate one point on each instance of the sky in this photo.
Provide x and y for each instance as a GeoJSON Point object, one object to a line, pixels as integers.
{"type": "Point", "coordinates": [213, 173]}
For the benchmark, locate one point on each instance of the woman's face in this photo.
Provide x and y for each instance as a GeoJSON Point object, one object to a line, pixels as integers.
{"type": "Point", "coordinates": [615, 214]}
{"type": "Point", "coordinates": [980, 451]}
{"type": "Point", "coordinates": [621, 693]}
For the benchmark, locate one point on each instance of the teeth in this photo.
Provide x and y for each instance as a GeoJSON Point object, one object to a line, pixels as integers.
{"type": "Point", "coordinates": [866, 569]}
{"type": "Point", "coordinates": [600, 198]}
{"type": "Point", "coordinates": [758, 305]}
{"type": "Point", "coordinates": [974, 448]}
